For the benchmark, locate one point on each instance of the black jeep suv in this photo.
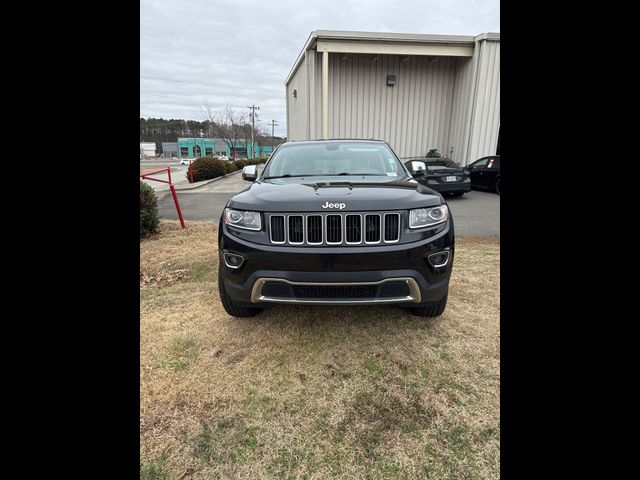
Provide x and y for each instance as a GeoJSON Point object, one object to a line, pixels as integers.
{"type": "Point", "coordinates": [335, 222]}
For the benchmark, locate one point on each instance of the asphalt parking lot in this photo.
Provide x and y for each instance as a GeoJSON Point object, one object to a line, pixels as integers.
{"type": "Point", "coordinates": [476, 213]}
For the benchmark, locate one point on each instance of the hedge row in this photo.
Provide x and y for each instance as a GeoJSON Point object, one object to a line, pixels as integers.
{"type": "Point", "coordinates": [206, 168]}
{"type": "Point", "coordinates": [149, 218]}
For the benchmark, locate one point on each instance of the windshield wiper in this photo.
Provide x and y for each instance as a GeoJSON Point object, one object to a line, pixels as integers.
{"type": "Point", "coordinates": [288, 175]}
{"type": "Point", "coordinates": [361, 174]}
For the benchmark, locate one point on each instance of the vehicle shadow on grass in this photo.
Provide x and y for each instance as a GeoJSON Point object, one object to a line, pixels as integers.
{"type": "Point", "coordinates": [340, 323]}
{"type": "Point", "coordinates": [353, 340]}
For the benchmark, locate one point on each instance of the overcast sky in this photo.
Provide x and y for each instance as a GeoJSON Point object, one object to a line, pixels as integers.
{"type": "Point", "coordinates": [239, 52]}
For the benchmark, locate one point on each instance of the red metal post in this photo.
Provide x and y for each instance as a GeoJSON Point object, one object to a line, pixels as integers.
{"type": "Point", "coordinates": [153, 172]}
{"type": "Point", "coordinates": [171, 187]}
{"type": "Point", "coordinates": [145, 177]}
{"type": "Point", "coordinates": [175, 199]}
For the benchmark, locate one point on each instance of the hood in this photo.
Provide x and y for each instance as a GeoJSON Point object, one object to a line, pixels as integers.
{"type": "Point", "coordinates": [311, 197]}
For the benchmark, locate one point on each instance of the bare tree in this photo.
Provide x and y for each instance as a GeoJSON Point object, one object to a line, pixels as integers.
{"type": "Point", "coordinates": [227, 124]}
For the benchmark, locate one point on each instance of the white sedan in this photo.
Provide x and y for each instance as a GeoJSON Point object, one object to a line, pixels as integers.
{"type": "Point", "coordinates": [186, 161]}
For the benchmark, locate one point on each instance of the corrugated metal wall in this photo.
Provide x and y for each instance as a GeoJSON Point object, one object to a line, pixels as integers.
{"type": "Point", "coordinates": [413, 116]}
{"type": "Point", "coordinates": [486, 107]}
{"type": "Point", "coordinates": [454, 102]}
{"type": "Point", "coordinates": [461, 110]}
{"type": "Point", "coordinates": [316, 112]}
{"type": "Point", "coordinates": [297, 120]}
{"type": "Point", "coordinates": [170, 149]}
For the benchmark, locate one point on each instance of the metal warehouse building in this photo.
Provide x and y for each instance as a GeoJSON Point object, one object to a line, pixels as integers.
{"type": "Point", "coordinates": [169, 149]}
{"type": "Point", "coordinates": [415, 91]}
{"type": "Point", "coordinates": [147, 150]}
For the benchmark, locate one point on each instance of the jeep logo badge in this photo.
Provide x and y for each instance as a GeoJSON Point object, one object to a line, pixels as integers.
{"type": "Point", "coordinates": [334, 205]}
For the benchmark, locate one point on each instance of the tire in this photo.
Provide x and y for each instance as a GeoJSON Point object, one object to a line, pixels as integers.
{"type": "Point", "coordinates": [497, 188]}
{"type": "Point", "coordinates": [230, 307]}
{"type": "Point", "coordinates": [433, 309]}
{"type": "Point", "coordinates": [457, 194]}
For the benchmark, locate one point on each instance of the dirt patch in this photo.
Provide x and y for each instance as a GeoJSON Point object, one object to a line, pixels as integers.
{"type": "Point", "coordinates": [161, 277]}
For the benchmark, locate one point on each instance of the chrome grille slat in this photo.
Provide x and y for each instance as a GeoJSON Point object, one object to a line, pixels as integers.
{"type": "Point", "coordinates": [295, 229]}
{"type": "Point", "coordinates": [332, 229]}
{"type": "Point", "coordinates": [372, 228]}
{"type": "Point", "coordinates": [314, 229]}
{"type": "Point", "coordinates": [276, 229]}
{"type": "Point", "coordinates": [353, 229]}
{"type": "Point", "coordinates": [391, 227]}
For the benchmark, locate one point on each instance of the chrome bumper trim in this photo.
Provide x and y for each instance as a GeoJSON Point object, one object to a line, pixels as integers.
{"type": "Point", "coordinates": [414, 292]}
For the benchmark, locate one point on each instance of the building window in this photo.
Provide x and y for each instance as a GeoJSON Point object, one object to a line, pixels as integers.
{"type": "Point", "coordinates": [184, 152]}
{"type": "Point", "coordinates": [208, 151]}
{"type": "Point", "coordinates": [196, 151]}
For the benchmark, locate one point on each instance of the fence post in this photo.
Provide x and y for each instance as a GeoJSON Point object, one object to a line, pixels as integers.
{"type": "Point", "coordinates": [175, 199]}
{"type": "Point", "coordinates": [171, 187]}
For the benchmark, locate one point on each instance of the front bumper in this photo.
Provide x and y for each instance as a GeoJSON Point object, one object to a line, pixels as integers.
{"type": "Point", "coordinates": [361, 265]}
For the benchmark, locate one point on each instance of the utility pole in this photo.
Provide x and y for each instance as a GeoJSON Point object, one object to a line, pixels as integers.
{"type": "Point", "coordinates": [273, 125]}
{"type": "Point", "coordinates": [253, 109]}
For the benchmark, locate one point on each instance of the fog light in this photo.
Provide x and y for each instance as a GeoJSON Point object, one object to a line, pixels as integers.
{"type": "Point", "coordinates": [439, 259]}
{"type": "Point", "coordinates": [232, 260]}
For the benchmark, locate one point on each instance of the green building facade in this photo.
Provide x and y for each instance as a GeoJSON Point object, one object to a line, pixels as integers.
{"type": "Point", "coordinates": [211, 147]}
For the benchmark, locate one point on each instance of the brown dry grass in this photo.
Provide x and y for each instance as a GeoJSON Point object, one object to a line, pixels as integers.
{"type": "Point", "coordinates": [314, 392]}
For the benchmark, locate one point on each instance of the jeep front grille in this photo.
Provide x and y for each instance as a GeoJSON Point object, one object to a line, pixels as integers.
{"type": "Point", "coordinates": [330, 229]}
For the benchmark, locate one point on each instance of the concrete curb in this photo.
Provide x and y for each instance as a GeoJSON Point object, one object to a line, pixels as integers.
{"type": "Point", "coordinates": [191, 186]}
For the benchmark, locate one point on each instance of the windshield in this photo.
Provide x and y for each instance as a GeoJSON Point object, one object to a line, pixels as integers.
{"type": "Point", "coordinates": [334, 159]}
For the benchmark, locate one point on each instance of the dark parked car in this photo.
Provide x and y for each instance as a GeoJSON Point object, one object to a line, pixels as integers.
{"type": "Point", "coordinates": [443, 176]}
{"type": "Point", "coordinates": [338, 222]}
{"type": "Point", "coordinates": [485, 173]}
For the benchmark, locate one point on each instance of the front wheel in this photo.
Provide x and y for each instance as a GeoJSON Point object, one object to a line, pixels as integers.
{"type": "Point", "coordinates": [498, 186]}
{"type": "Point", "coordinates": [433, 309]}
{"type": "Point", "coordinates": [230, 307]}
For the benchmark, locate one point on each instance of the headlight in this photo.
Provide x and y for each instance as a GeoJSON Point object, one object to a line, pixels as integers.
{"type": "Point", "coordinates": [240, 219]}
{"type": "Point", "coordinates": [426, 217]}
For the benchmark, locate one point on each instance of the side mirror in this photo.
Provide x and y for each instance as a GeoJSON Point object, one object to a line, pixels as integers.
{"type": "Point", "coordinates": [417, 168]}
{"type": "Point", "coordinates": [250, 173]}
